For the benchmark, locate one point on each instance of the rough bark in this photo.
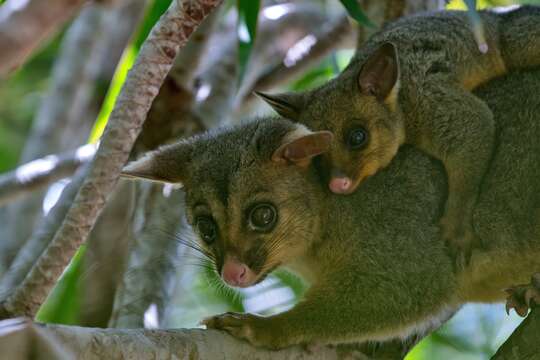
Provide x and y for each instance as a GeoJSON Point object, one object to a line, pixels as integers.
{"type": "Point", "coordinates": [73, 342]}
{"type": "Point", "coordinates": [140, 89]}
{"type": "Point", "coordinates": [25, 25]}
{"type": "Point", "coordinates": [62, 108]}
{"type": "Point", "coordinates": [20, 339]}
{"type": "Point", "coordinates": [42, 172]}
{"type": "Point", "coordinates": [524, 342]}
{"type": "Point", "coordinates": [91, 343]}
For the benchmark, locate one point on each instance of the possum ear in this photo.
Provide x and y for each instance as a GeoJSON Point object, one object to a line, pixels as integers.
{"type": "Point", "coordinates": [288, 105]}
{"type": "Point", "coordinates": [379, 74]}
{"type": "Point", "coordinates": [167, 164]}
{"type": "Point", "coordinates": [300, 146]}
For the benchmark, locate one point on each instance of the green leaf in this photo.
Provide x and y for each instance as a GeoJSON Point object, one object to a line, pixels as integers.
{"type": "Point", "coordinates": [152, 15]}
{"type": "Point", "coordinates": [63, 303]}
{"type": "Point", "coordinates": [357, 13]}
{"type": "Point", "coordinates": [248, 13]}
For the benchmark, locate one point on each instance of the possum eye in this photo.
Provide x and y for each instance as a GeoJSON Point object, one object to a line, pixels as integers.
{"type": "Point", "coordinates": [357, 138]}
{"type": "Point", "coordinates": [263, 217]}
{"type": "Point", "coordinates": [206, 228]}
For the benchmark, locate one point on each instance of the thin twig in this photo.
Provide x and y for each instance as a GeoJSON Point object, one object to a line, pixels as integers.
{"type": "Point", "coordinates": [42, 172]}
{"type": "Point", "coordinates": [26, 258]}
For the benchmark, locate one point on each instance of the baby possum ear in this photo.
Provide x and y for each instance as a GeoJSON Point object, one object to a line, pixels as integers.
{"type": "Point", "coordinates": [167, 164]}
{"type": "Point", "coordinates": [301, 145]}
{"type": "Point", "coordinates": [379, 74]}
{"type": "Point", "coordinates": [288, 105]}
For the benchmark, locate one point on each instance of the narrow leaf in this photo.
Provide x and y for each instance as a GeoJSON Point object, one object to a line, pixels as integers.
{"type": "Point", "coordinates": [354, 10]}
{"type": "Point", "coordinates": [248, 12]}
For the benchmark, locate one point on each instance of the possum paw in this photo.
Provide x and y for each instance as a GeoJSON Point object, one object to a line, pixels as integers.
{"type": "Point", "coordinates": [523, 297]}
{"type": "Point", "coordinates": [254, 329]}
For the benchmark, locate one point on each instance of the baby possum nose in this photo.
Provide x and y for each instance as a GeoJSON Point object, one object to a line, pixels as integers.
{"type": "Point", "coordinates": [236, 273]}
{"type": "Point", "coordinates": [340, 185]}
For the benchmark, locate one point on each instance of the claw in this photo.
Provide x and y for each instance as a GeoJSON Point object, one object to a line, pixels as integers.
{"type": "Point", "coordinates": [522, 297]}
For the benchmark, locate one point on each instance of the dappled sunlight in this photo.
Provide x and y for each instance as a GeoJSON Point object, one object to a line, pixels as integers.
{"type": "Point", "coordinates": [34, 168]}
{"type": "Point", "coordinates": [11, 6]}
{"type": "Point", "coordinates": [151, 317]}
{"type": "Point", "coordinates": [299, 50]}
{"type": "Point", "coordinates": [53, 194]}
{"type": "Point", "coordinates": [275, 12]}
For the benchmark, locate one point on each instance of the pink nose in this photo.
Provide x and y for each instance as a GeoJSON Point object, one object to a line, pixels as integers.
{"type": "Point", "coordinates": [234, 273]}
{"type": "Point", "coordinates": [340, 185]}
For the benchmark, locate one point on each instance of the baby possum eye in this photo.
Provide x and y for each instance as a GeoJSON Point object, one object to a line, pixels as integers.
{"type": "Point", "coordinates": [263, 217]}
{"type": "Point", "coordinates": [357, 138]}
{"type": "Point", "coordinates": [207, 229]}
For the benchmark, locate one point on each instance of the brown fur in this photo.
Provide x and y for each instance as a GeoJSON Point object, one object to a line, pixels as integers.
{"type": "Point", "coordinates": [375, 260]}
{"type": "Point", "coordinates": [410, 83]}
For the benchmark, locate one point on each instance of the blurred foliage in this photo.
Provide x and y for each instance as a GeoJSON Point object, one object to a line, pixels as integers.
{"type": "Point", "coordinates": [21, 94]}
{"type": "Point", "coordinates": [356, 12]}
{"type": "Point", "coordinates": [473, 334]}
{"type": "Point", "coordinates": [246, 28]}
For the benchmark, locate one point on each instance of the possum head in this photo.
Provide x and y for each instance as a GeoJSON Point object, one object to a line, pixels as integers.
{"type": "Point", "coordinates": [250, 193]}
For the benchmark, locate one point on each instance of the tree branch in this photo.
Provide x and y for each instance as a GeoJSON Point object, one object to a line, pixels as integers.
{"type": "Point", "coordinates": [26, 258]}
{"type": "Point", "coordinates": [42, 172]}
{"type": "Point", "coordinates": [141, 86]}
{"type": "Point", "coordinates": [92, 343]}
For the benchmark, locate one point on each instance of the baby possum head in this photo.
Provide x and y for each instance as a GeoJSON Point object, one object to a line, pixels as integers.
{"type": "Point", "coordinates": [251, 194]}
{"type": "Point", "coordinates": [360, 108]}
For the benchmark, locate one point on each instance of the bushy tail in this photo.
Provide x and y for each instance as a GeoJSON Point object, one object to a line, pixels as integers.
{"type": "Point", "coordinates": [520, 37]}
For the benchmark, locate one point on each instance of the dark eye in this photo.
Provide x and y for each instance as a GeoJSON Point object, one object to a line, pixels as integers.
{"type": "Point", "coordinates": [207, 229]}
{"type": "Point", "coordinates": [357, 138]}
{"type": "Point", "coordinates": [263, 217]}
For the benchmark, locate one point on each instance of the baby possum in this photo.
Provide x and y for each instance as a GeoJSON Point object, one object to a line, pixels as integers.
{"type": "Point", "coordinates": [411, 83]}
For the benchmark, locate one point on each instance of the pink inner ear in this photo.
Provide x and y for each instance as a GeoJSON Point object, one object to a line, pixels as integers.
{"type": "Point", "coordinates": [301, 150]}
